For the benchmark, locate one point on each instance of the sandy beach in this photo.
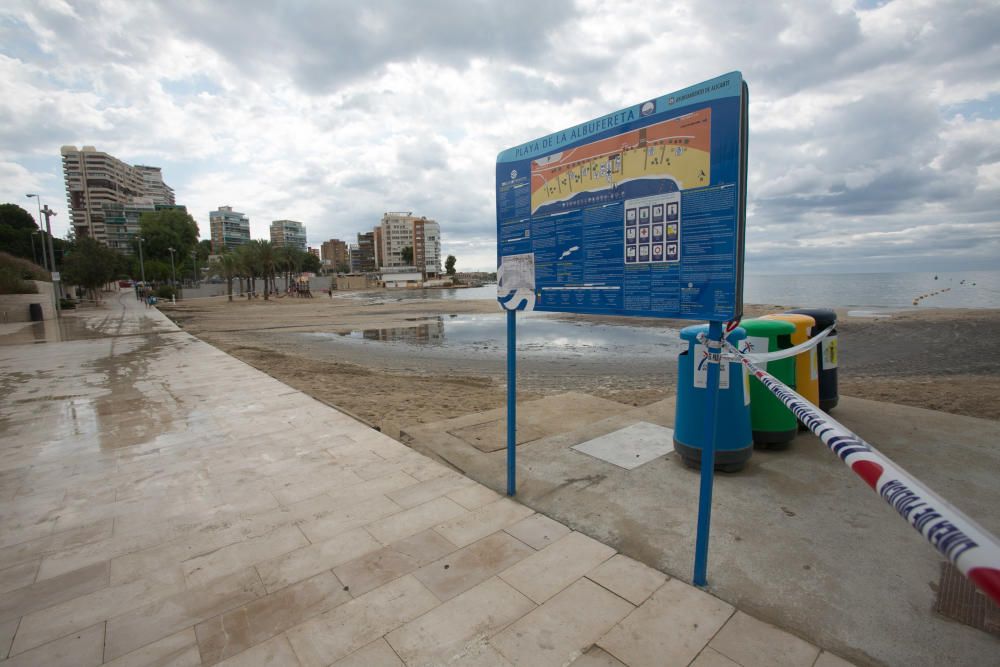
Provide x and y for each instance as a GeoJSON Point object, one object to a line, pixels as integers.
{"type": "Point", "coordinates": [370, 354]}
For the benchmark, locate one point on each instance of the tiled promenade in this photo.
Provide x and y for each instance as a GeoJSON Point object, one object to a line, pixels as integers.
{"type": "Point", "coordinates": [162, 503]}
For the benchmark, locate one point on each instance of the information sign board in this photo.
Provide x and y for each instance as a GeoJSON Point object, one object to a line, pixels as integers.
{"type": "Point", "coordinates": [639, 212]}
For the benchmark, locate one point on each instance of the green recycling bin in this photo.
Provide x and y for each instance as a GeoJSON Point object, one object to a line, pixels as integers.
{"type": "Point", "coordinates": [773, 425]}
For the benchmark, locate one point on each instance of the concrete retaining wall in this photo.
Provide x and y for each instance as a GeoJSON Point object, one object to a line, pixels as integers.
{"type": "Point", "coordinates": [14, 307]}
{"type": "Point", "coordinates": [351, 282]}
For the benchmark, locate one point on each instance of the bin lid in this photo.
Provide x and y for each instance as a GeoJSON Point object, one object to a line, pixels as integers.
{"type": "Point", "coordinates": [824, 316]}
{"type": "Point", "coordinates": [691, 333]}
{"type": "Point", "coordinates": [767, 328]}
{"type": "Point", "coordinates": [803, 323]}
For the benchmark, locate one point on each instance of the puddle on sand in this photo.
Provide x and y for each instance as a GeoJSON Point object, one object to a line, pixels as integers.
{"type": "Point", "coordinates": [536, 334]}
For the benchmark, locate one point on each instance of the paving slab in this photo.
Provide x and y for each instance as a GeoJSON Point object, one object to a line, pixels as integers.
{"type": "Point", "coordinates": [627, 578]}
{"type": "Point", "coordinates": [631, 446]}
{"type": "Point", "coordinates": [446, 634]}
{"type": "Point", "coordinates": [560, 630]}
{"type": "Point", "coordinates": [676, 623]}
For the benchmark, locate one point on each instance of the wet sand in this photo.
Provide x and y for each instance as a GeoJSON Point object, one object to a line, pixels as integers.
{"type": "Point", "coordinates": [939, 359]}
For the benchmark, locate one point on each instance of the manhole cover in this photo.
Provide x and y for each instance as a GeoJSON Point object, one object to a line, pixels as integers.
{"type": "Point", "coordinates": [492, 436]}
{"type": "Point", "coordinates": [958, 599]}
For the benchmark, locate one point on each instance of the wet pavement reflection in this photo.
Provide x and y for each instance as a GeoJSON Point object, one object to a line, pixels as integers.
{"type": "Point", "coordinates": [537, 334]}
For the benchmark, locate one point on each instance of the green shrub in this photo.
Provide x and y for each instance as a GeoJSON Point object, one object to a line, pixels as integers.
{"type": "Point", "coordinates": [11, 282]}
{"type": "Point", "coordinates": [15, 272]}
{"type": "Point", "coordinates": [67, 304]}
{"type": "Point", "coordinates": [165, 292]}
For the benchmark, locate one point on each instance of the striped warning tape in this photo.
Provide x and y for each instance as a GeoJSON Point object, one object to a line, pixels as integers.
{"type": "Point", "coordinates": [764, 357]}
{"type": "Point", "coordinates": [973, 550]}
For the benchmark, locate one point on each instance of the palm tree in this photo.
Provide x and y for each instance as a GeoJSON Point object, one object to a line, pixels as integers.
{"type": "Point", "coordinates": [282, 261]}
{"type": "Point", "coordinates": [246, 263]}
{"type": "Point", "coordinates": [295, 259]}
{"type": "Point", "coordinates": [227, 267]}
{"type": "Point", "coordinates": [264, 252]}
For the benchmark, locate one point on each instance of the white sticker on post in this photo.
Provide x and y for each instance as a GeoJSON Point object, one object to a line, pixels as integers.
{"type": "Point", "coordinates": [516, 282]}
{"type": "Point", "coordinates": [746, 385]}
{"type": "Point", "coordinates": [701, 369]}
{"type": "Point", "coordinates": [755, 345]}
{"type": "Point", "coordinates": [829, 345]}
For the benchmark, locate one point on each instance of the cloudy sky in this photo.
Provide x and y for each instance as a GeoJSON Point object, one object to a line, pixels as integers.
{"type": "Point", "coordinates": [875, 127]}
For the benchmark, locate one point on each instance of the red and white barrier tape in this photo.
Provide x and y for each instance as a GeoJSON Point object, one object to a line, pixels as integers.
{"type": "Point", "coordinates": [973, 550]}
{"type": "Point", "coordinates": [810, 343]}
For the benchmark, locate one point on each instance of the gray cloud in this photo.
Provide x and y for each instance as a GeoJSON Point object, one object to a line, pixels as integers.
{"type": "Point", "coordinates": [324, 45]}
{"type": "Point", "coordinates": [871, 129]}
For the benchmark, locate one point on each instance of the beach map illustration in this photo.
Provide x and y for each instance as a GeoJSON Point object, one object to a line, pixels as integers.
{"type": "Point", "coordinates": [638, 212]}
{"type": "Point", "coordinates": [676, 151]}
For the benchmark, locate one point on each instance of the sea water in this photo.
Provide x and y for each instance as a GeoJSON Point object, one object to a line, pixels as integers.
{"type": "Point", "coordinates": [964, 289]}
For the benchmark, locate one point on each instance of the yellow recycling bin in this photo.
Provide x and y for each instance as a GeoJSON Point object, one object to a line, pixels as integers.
{"type": "Point", "coordinates": [806, 367]}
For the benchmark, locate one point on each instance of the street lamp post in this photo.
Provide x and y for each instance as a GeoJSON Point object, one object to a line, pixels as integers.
{"type": "Point", "coordinates": [173, 271]}
{"type": "Point", "coordinates": [48, 213]}
{"type": "Point", "coordinates": [41, 231]}
{"type": "Point", "coordinates": [52, 252]}
{"type": "Point", "coordinates": [142, 267]}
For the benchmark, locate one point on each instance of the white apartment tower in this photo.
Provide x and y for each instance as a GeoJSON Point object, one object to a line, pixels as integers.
{"type": "Point", "coordinates": [106, 196]}
{"type": "Point", "coordinates": [288, 233]}
{"type": "Point", "coordinates": [93, 179]}
{"type": "Point", "coordinates": [402, 229]}
{"type": "Point", "coordinates": [153, 186]}
{"type": "Point", "coordinates": [230, 229]}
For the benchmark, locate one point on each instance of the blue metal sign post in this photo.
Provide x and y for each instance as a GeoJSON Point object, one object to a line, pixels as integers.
{"type": "Point", "coordinates": [511, 402]}
{"type": "Point", "coordinates": [714, 344]}
{"type": "Point", "coordinates": [640, 212]}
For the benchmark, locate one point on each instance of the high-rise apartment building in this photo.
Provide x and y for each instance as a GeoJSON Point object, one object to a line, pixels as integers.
{"type": "Point", "coordinates": [365, 255]}
{"type": "Point", "coordinates": [288, 233]}
{"type": "Point", "coordinates": [153, 186]}
{"type": "Point", "coordinates": [121, 222]}
{"type": "Point", "coordinates": [230, 229]}
{"type": "Point", "coordinates": [93, 179]}
{"type": "Point", "coordinates": [400, 230]}
{"type": "Point", "coordinates": [336, 253]}
{"type": "Point", "coordinates": [427, 247]}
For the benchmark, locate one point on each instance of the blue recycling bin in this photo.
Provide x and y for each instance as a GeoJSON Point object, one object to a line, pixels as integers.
{"type": "Point", "coordinates": [734, 440]}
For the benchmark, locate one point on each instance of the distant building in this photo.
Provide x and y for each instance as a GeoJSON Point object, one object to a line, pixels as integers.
{"type": "Point", "coordinates": [354, 252]}
{"type": "Point", "coordinates": [401, 277]}
{"type": "Point", "coordinates": [314, 252]}
{"type": "Point", "coordinates": [399, 230]}
{"type": "Point", "coordinates": [121, 222]}
{"type": "Point", "coordinates": [337, 254]}
{"type": "Point", "coordinates": [366, 254]}
{"type": "Point", "coordinates": [153, 186]}
{"type": "Point", "coordinates": [427, 247]}
{"type": "Point", "coordinates": [93, 179]}
{"type": "Point", "coordinates": [230, 229]}
{"type": "Point", "coordinates": [288, 233]}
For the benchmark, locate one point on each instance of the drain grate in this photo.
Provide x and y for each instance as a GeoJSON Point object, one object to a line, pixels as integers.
{"type": "Point", "coordinates": [959, 600]}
